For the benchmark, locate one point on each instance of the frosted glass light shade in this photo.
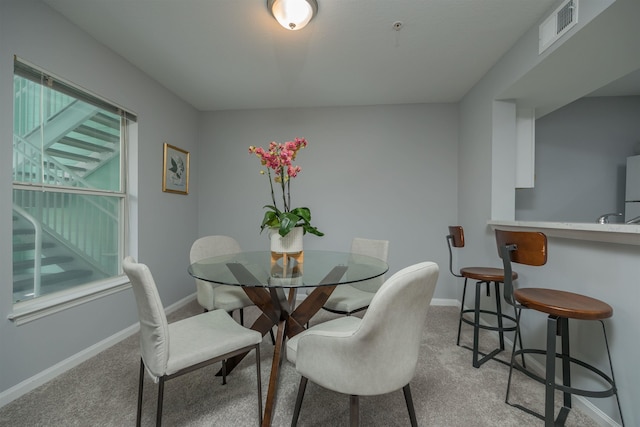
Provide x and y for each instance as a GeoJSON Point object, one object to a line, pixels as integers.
{"type": "Point", "coordinates": [293, 14]}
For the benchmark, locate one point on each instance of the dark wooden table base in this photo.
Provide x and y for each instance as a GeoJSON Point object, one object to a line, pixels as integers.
{"type": "Point", "coordinates": [279, 309]}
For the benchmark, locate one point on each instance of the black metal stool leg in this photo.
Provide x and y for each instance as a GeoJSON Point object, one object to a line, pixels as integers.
{"type": "Point", "coordinates": [518, 336]}
{"type": "Point", "coordinates": [550, 372]}
{"type": "Point", "coordinates": [613, 378]}
{"type": "Point", "coordinates": [476, 326]}
{"type": "Point", "coordinates": [499, 315]}
{"type": "Point", "coordinates": [464, 294]}
{"type": "Point", "coordinates": [566, 359]}
{"type": "Point", "coordinates": [513, 355]}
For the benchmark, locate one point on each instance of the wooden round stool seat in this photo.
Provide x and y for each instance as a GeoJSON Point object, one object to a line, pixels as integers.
{"type": "Point", "coordinates": [485, 274]}
{"type": "Point", "coordinates": [563, 304]}
{"type": "Point", "coordinates": [530, 248]}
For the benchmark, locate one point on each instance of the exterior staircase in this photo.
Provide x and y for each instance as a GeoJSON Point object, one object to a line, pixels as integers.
{"type": "Point", "coordinates": [54, 248]}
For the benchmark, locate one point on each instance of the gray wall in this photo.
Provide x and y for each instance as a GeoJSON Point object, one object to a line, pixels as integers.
{"type": "Point", "coordinates": [383, 172]}
{"type": "Point", "coordinates": [601, 50]}
{"type": "Point", "coordinates": [167, 224]}
{"type": "Point", "coordinates": [415, 211]}
{"type": "Point", "coordinates": [580, 163]}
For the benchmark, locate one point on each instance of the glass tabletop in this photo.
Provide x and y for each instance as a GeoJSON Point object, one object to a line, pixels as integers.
{"type": "Point", "coordinates": [311, 269]}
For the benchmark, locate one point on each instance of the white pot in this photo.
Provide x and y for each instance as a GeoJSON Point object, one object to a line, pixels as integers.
{"type": "Point", "coordinates": [291, 243]}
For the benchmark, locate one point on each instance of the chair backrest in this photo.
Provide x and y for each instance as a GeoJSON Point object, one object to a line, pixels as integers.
{"type": "Point", "coordinates": [456, 236]}
{"type": "Point", "coordinates": [455, 239]}
{"type": "Point", "coordinates": [391, 329]}
{"type": "Point", "coordinates": [373, 248]}
{"type": "Point", "coordinates": [207, 247]}
{"type": "Point", "coordinates": [520, 247]}
{"type": "Point", "coordinates": [210, 246]}
{"type": "Point", "coordinates": [154, 329]}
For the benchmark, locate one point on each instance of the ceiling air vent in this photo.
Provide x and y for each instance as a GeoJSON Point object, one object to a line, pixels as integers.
{"type": "Point", "coordinates": [560, 21]}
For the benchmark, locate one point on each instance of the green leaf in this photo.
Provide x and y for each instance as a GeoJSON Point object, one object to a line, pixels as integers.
{"type": "Point", "coordinates": [303, 213]}
{"type": "Point", "coordinates": [270, 219]}
{"type": "Point", "coordinates": [288, 220]}
{"type": "Point", "coordinates": [310, 229]}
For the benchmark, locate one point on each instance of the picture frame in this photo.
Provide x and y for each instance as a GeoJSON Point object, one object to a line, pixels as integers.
{"type": "Point", "coordinates": [175, 170]}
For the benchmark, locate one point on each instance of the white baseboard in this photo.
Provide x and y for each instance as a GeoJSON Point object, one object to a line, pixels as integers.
{"type": "Point", "coordinates": [48, 374]}
{"type": "Point", "coordinates": [445, 302]}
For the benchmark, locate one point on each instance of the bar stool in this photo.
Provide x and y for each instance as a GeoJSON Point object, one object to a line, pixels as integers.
{"type": "Point", "coordinates": [486, 276]}
{"type": "Point", "coordinates": [530, 248]}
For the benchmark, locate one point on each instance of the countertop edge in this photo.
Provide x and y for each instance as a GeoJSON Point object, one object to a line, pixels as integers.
{"type": "Point", "coordinates": [627, 234]}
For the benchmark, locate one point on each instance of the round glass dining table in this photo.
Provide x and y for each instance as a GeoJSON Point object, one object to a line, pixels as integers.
{"type": "Point", "coordinates": [264, 276]}
{"type": "Point", "coordinates": [309, 269]}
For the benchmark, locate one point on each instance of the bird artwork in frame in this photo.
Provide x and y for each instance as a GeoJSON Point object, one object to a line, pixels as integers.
{"type": "Point", "coordinates": [175, 170]}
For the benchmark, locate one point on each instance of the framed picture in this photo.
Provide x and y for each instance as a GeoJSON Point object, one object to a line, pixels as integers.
{"type": "Point", "coordinates": [175, 170]}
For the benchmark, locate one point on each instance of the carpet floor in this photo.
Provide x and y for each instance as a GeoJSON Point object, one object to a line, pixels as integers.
{"type": "Point", "coordinates": [446, 389]}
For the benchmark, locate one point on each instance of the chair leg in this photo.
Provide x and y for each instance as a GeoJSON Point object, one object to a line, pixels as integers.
{"type": "Point", "coordinates": [354, 410]}
{"type": "Point", "coordinates": [296, 412]}
{"type": "Point", "coordinates": [273, 338]}
{"type": "Point", "coordinates": [160, 398]}
{"type": "Point", "coordinates": [259, 385]}
{"type": "Point", "coordinates": [242, 316]}
{"type": "Point", "coordinates": [412, 412]}
{"type": "Point", "coordinates": [224, 372]}
{"type": "Point", "coordinates": [464, 294]}
{"type": "Point", "coordinates": [140, 385]}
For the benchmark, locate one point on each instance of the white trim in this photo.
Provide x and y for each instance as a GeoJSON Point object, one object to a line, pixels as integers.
{"type": "Point", "coordinates": [28, 311]}
{"type": "Point", "coordinates": [48, 374]}
{"type": "Point", "coordinates": [445, 302]}
{"type": "Point", "coordinates": [628, 234]}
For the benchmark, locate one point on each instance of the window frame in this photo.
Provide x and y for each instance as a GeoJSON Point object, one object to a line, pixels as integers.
{"type": "Point", "coordinates": [44, 305]}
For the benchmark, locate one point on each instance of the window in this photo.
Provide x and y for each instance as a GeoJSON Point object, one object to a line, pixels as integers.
{"type": "Point", "coordinates": [69, 186]}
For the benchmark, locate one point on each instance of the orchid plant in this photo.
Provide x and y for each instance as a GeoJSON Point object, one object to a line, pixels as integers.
{"type": "Point", "coordinates": [279, 159]}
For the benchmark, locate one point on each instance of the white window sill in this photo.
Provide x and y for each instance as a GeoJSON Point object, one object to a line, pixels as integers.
{"type": "Point", "coordinates": [628, 234]}
{"type": "Point", "coordinates": [28, 311]}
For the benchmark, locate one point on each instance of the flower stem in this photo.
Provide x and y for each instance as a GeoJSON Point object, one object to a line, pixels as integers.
{"type": "Point", "coordinates": [289, 194]}
{"type": "Point", "coordinates": [284, 196]}
{"type": "Point", "coordinates": [273, 194]}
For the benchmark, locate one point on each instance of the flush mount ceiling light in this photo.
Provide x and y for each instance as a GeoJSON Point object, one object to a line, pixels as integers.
{"type": "Point", "coordinates": [293, 14]}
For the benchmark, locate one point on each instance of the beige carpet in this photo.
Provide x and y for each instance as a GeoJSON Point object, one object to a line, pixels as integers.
{"type": "Point", "coordinates": [447, 390]}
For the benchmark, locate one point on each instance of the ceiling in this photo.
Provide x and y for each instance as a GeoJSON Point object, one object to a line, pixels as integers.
{"type": "Point", "coordinates": [232, 54]}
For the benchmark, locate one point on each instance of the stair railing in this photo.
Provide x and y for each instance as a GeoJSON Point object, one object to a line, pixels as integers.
{"type": "Point", "coordinates": [27, 96]}
{"type": "Point", "coordinates": [37, 250]}
{"type": "Point", "coordinates": [30, 160]}
{"type": "Point", "coordinates": [52, 213]}
{"type": "Point", "coordinates": [27, 156]}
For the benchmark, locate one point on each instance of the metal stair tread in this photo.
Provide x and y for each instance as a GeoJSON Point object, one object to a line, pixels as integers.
{"type": "Point", "coordinates": [50, 260]}
{"type": "Point", "coordinates": [52, 278]}
{"type": "Point", "coordinates": [18, 247]}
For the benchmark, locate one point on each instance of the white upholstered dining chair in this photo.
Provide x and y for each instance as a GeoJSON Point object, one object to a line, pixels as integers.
{"type": "Point", "coordinates": [212, 296]}
{"type": "Point", "coordinates": [351, 298]}
{"type": "Point", "coordinates": [169, 350]}
{"type": "Point", "coordinates": [374, 355]}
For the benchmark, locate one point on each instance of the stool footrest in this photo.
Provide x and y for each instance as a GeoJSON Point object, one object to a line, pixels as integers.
{"type": "Point", "coordinates": [562, 387]}
{"type": "Point", "coordinates": [487, 356]}
{"type": "Point", "coordinates": [490, 327]}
